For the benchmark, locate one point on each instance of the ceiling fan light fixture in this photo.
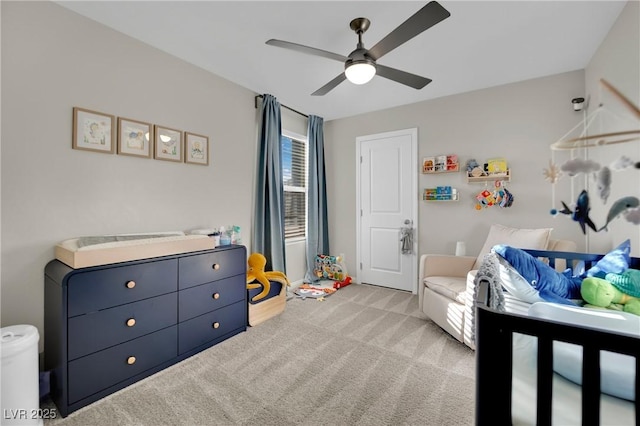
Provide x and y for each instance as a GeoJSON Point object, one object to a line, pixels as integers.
{"type": "Point", "coordinates": [360, 72]}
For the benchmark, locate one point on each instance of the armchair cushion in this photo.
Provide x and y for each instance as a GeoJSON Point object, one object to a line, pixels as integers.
{"type": "Point", "coordinates": [453, 288]}
{"type": "Point", "coordinates": [516, 237]}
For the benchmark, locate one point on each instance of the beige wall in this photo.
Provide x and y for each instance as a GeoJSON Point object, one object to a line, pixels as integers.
{"type": "Point", "coordinates": [617, 60]}
{"type": "Point", "coordinates": [53, 60]}
{"type": "Point", "coordinates": [517, 121]}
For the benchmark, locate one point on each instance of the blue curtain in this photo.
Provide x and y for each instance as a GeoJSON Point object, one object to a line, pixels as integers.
{"type": "Point", "coordinates": [268, 229]}
{"type": "Point", "coordinates": [317, 220]}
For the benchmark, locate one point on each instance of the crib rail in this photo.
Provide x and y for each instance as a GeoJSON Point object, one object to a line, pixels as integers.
{"type": "Point", "coordinates": [494, 356]}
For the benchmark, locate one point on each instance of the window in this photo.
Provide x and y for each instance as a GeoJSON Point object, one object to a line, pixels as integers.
{"type": "Point", "coordinates": [294, 176]}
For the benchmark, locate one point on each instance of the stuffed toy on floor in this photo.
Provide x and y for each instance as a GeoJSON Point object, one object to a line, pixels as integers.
{"type": "Point", "coordinates": [256, 272]}
{"type": "Point", "coordinates": [603, 293]}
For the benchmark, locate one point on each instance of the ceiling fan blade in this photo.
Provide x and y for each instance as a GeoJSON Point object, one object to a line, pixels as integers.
{"type": "Point", "coordinates": [423, 19]}
{"type": "Point", "coordinates": [402, 77]}
{"type": "Point", "coordinates": [306, 49]}
{"type": "Point", "coordinates": [330, 85]}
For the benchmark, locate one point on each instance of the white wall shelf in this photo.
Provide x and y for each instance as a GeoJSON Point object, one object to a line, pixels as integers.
{"type": "Point", "coordinates": [440, 164]}
{"type": "Point", "coordinates": [506, 177]}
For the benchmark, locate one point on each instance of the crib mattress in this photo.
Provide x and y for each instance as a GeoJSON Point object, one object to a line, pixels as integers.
{"type": "Point", "coordinates": [75, 254]}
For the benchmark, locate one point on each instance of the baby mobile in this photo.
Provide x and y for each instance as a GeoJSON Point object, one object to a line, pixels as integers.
{"type": "Point", "coordinates": [602, 175]}
{"type": "Point", "coordinates": [500, 196]}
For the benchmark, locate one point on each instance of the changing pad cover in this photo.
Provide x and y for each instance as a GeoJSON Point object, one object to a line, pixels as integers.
{"type": "Point", "coordinates": [102, 250]}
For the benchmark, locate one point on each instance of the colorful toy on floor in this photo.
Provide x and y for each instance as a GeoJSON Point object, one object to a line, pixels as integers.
{"type": "Point", "coordinates": [313, 292]}
{"type": "Point", "coordinates": [256, 272]}
{"type": "Point", "coordinates": [329, 267]}
{"type": "Point", "coordinates": [339, 284]}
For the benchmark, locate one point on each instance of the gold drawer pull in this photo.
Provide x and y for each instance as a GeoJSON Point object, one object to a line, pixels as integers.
{"type": "Point", "coordinates": [131, 284]}
{"type": "Point", "coordinates": [131, 360]}
{"type": "Point", "coordinates": [216, 295]}
{"type": "Point", "coordinates": [131, 322]}
{"type": "Point", "coordinates": [215, 325]}
{"type": "Point", "coordinates": [216, 266]}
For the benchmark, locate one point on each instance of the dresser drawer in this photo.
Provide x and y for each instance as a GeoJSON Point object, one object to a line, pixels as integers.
{"type": "Point", "coordinates": [99, 330]}
{"type": "Point", "coordinates": [99, 289]}
{"type": "Point", "coordinates": [93, 373]}
{"type": "Point", "coordinates": [203, 298]}
{"type": "Point", "coordinates": [210, 326]}
{"type": "Point", "coordinates": [207, 267]}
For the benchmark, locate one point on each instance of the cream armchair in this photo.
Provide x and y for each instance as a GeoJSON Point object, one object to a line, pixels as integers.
{"type": "Point", "coordinates": [445, 288]}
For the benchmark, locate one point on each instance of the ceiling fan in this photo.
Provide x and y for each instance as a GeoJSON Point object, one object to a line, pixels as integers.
{"type": "Point", "coordinates": [360, 66]}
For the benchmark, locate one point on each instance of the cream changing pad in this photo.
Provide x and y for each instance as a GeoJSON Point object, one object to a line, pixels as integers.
{"type": "Point", "coordinates": [102, 250]}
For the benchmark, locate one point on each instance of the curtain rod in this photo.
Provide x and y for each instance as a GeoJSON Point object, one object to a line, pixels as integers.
{"type": "Point", "coordinates": [284, 106]}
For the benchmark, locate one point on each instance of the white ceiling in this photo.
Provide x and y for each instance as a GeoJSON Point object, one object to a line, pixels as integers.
{"type": "Point", "coordinates": [482, 44]}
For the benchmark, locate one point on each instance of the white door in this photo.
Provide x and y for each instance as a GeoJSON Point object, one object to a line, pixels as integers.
{"type": "Point", "coordinates": [387, 199]}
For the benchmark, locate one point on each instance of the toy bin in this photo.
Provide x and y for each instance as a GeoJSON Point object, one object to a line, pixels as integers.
{"type": "Point", "coordinates": [20, 396]}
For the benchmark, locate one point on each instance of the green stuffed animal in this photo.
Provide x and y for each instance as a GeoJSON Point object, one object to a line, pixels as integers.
{"type": "Point", "coordinates": [601, 293]}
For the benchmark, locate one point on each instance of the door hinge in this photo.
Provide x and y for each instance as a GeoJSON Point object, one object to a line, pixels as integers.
{"type": "Point", "coordinates": [361, 159]}
{"type": "Point", "coordinates": [360, 265]}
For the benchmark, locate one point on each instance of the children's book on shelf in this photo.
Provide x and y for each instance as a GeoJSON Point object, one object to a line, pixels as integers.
{"type": "Point", "coordinates": [428, 164]}
{"type": "Point", "coordinates": [441, 163]}
{"type": "Point", "coordinates": [497, 165]}
{"type": "Point", "coordinates": [452, 162]}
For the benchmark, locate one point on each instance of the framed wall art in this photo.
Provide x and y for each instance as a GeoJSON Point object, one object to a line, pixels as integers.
{"type": "Point", "coordinates": [196, 149]}
{"type": "Point", "coordinates": [93, 131]}
{"type": "Point", "coordinates": [134, 137]}
{"type": "Point", "coordinates": [168, 144]}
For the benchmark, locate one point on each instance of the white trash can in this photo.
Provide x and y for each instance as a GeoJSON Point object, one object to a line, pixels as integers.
{"type": "Point", "coordinates": [20, 397]}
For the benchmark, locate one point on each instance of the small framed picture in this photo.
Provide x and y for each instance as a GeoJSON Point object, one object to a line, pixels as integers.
{"type": "Point", "coordinates": [168, 144]}
{"type": "Point", "coordinates": [134, 137]}
{"type": "Point", "coordinates": [196, 149]}
{"type": "Point", "coordinates": [93, 131]}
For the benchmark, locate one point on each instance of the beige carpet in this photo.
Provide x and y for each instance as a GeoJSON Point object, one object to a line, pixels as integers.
{"type": "Point", "coordinates": [364, 356]}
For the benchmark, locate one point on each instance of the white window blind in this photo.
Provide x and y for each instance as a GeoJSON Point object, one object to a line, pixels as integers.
{"type": "Point", "coordinates": [294, 175]}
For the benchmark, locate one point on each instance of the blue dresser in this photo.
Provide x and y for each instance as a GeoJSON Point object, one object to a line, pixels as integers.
{"type": "Point", "coordinates": [109, 326]}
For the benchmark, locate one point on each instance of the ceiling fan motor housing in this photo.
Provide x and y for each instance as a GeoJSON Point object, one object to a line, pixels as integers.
{"type": "Point", "coordinates": [359, 56]}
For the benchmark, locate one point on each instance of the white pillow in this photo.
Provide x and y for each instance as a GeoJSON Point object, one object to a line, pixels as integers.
{"type": "Point", "coordinates": [536, 239]}
{"type": "Point", "coordinates": [617, 371]}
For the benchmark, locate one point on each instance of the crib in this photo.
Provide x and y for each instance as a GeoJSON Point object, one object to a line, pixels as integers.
{"type": "Point", "coordinates": [498, 400]}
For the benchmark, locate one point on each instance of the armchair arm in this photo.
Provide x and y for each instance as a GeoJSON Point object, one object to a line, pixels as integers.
{"type": "Point", "coordinates": [442, 265]}
{"type": "Point", "coordinates": [445, 265]}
